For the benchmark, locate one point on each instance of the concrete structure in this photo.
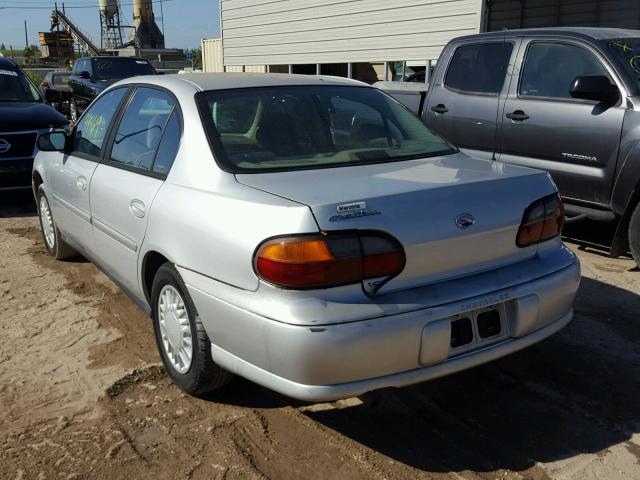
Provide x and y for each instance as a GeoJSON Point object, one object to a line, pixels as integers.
{"type": "Point", "coordinates": [146, 34]}
{"type": "Point", "coordinates": [378, 39]}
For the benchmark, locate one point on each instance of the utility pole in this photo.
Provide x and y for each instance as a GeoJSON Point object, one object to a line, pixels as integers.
{"type": "Point", "coordinates": [26, 37]}
{"type": "Point", "coordinates": [162, 17]}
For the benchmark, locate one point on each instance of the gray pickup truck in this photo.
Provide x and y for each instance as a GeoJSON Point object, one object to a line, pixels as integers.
{"type": "Point", "coordinates": [565, 100]}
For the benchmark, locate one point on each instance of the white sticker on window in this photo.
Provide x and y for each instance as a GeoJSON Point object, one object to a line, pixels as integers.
{"type": "Point", "coordinates": [142, 62]}
{"type": "Point", "coordinates": [8, 72]}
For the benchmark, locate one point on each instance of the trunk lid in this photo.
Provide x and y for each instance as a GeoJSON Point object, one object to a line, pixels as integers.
{"type": "Point", "coordinates": [454, 215]}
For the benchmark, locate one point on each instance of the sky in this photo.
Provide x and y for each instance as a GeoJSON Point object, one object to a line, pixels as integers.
{"type": "Point", "coordinates": [185, 21]}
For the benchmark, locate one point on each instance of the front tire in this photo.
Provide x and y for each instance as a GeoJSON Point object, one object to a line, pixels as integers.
{"type": "Point", "coordinates": [73, 111]}
{"type": "Point", "coordinates": [182, 341]}
{"type": "Point", "coordinates": [53, 241]}
{"type": "Point", "coordinates": [634, 234]}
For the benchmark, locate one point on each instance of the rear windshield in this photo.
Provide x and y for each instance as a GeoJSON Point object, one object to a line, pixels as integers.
{"type": "Point", "coordinates": [626, 51]}
{"type": "Point", "coordinates": [110, 68]}
{"type": "Point", "coordinates": [302, 127]}
{"type": "Point", "coordinates": [16, 87]}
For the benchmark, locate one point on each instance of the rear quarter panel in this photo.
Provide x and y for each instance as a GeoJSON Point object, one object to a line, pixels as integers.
{"type": "Point", "coordinates": [215, 233]}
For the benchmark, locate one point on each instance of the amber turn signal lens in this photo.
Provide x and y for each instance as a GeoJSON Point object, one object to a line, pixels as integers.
{"type": "Point", "coordinates": [542, 220]}
{"type": "Point", "coordinates": [327, 260]}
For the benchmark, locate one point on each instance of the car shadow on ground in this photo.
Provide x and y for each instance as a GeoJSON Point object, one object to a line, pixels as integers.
{"type": "Point", "coordinates": [575, 393]}
{"type": "Point", "coordinates": [18, 203]}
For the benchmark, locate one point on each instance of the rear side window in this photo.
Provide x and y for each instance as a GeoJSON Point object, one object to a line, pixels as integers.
{"type": "Point", "coordinates": [479, 68]}
{"type": "Point", "coordinates": [550, 69]}
{"type": "Point", "coordinates": [141, 128]}
{"type": "Point", "coordinates": [90, 133]}
{"type": "Point", "coordinates": [168, 146]}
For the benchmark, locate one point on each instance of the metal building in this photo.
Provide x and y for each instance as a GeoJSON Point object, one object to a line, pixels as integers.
{"type": "Point", "coordinates": [381, 39]}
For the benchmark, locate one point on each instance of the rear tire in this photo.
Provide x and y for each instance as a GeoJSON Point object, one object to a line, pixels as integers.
{"type": "Point", "coordinates": [175, 319]}
{"type": "Point", "coordinates": [634, 234]}
{"type": "Point", "coordinates": [53, 241]}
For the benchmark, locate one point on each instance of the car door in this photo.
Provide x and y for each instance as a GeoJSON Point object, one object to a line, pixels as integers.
{"type": "Point", "coordinates": [72, 170]}
{"type": "Point", "coordinates": [126, 182]}
{"type": "Point", "coordinates": [575, 140]}
{"type": "Point", "coordinates": [463, 102]}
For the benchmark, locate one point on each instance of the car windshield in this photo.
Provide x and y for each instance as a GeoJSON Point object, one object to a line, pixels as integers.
{"type": "Point", "coordinates": [110, 68]}
{"type": "Point", "coordinates": [61, 79]}
{"type": "Point", "coordinates": [302, 127]}
{"type": "Point", "coordinates": [627, 52]}
{"type": "Point", "coordinates": [16, 87]}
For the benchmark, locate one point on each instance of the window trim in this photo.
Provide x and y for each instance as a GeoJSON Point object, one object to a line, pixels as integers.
{"type": "Point", "coordinates": [218, 151]}
{"type": "Point", "coordinates": [480, 94]}
{"type": "Point", "coordinates": [575, 101]}
{"type": "Point", "coordinates": [94, 158]}
{"type": "Point", "coordinates": [106, 157]}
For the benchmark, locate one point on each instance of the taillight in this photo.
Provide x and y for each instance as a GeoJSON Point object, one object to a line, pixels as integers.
{"type": "Point", "coordinates": [329, 259]}
{"type": "Point", "coordinates": [542, 220]}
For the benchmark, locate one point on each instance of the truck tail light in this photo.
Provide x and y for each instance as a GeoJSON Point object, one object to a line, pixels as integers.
{"type": "Point", "coordinates": [328, 259]}
{"type": "Point", "coordinates": [542, 220]}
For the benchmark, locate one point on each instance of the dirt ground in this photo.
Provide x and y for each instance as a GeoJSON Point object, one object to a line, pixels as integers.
{"type": "Point", "coordinates": [82, 394]}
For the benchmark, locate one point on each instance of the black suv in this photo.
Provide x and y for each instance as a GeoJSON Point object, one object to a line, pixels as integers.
{"type": "Point", "coordinates": [92, 75]}
{"type": "Point", "coordinates": [23, 116]}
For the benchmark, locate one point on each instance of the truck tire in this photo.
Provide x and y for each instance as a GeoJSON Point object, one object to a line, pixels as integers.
{"type": "Point", "coordinates": [634, 234]}
{"type": "Point", "coordinates": [175, 319]}
{"type": "Point", "coordinates": [73, 111]}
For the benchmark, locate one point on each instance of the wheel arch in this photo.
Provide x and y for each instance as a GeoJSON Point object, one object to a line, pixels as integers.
{"type": "Point", "coordinates": [151, 263]}
{"type": "Point", "coordinates": [36, 181]}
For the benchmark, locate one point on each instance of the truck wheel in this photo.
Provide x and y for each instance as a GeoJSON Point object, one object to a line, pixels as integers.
{"type": "Point", "coordinates": [53, 241]}
{"type": "Point", "coordinates": [183, 343]}
{"type": "Point", "coordinates": [634, 234]}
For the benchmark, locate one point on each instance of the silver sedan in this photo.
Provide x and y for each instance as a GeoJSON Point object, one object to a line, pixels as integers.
{"type": "Point", "coordinates": [307, 233]}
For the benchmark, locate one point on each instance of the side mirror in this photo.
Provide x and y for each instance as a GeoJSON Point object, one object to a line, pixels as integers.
{"type": "Point", "coordinates": [597, 88]}
{"type": "Point", "coordinates": [52, 142]}
{"type": "Point", "coordinates": [84, 74]}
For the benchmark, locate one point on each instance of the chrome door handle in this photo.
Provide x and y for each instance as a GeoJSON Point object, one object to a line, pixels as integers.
{"type": "Point", "coordinates": [137, 208]}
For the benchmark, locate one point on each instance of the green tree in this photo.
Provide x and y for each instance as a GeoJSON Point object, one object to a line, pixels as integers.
{"type": "Point", "coordinates": [197, 58]}
{"type": "Point", "coordinates": [27, 53]}
{"type": "Point", "coordinates": [3, 47]}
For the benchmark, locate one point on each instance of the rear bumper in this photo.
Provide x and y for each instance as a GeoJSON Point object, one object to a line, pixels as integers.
{"type": "Point", "coordinates": [327, 362]}
{"type": "Point", "coordinates": [15, 174]}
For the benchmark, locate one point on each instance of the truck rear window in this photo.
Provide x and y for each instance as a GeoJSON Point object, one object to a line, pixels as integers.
{"type": "Point", "coordinates": [479, 68]}
{"type": "Point", "coordinates": [302, 127]}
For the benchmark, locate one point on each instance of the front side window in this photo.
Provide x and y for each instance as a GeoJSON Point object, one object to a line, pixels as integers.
{"type": "Point", "coordinates": [302, 127]}
{"type": "Point", "coordinates": [89, 135]}
{"type": "Point", "coordinates": [479, 68]}
{"type": "Point", "coordinates": [140, 130]}
{"type": "Point", "coordinates": [550, 69]}
{"type": "Point", "coordinates": [16, 87]}
{"type": "Point", "coordinates": [626, 51]}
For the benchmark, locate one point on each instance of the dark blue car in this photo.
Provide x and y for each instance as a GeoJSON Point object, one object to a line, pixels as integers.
{"type": "Point", "coordinates": [23, 116]}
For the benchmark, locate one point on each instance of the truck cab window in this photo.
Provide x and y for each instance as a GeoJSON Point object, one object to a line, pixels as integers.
{"type": "Point", "coordinates": [479, 68]}
{"type": "Point", "coordinates": [550, 69]}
